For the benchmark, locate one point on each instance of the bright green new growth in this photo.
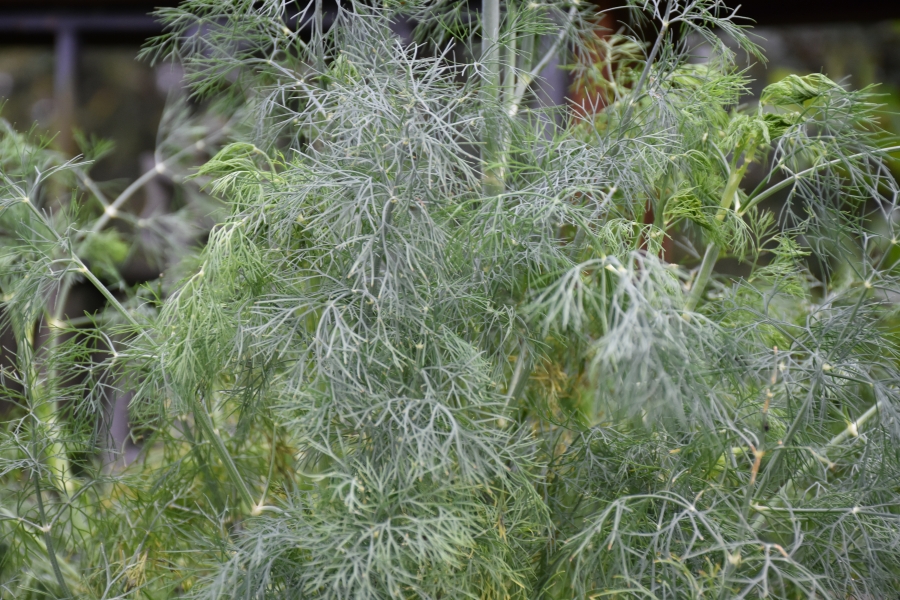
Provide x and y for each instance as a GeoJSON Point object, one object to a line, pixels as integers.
{"type": "Point", "coordinates": [439, 348]}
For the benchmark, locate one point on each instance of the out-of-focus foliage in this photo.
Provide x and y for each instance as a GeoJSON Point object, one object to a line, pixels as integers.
{"type": "Point", "coordinates": [856, 55]}
{"type": "Point", "coordinates": [116, 98]}
{"type": "Point", "coordinates": [64, 504]}
{"type": "Point", "coordinates": [440, 348]}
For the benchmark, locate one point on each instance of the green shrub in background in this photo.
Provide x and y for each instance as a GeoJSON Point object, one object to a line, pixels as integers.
{"type": "Point", "coordinates": [440, 347]}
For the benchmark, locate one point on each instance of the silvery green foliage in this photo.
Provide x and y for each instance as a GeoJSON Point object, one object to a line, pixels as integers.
{"type": "Point", "coordinates": [381, 381]}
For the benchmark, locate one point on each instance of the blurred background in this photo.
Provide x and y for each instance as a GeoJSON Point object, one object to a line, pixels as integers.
{"type": "Point", "coordinates": [70, 65]}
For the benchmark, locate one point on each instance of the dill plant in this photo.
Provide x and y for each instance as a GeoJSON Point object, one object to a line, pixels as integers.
{"type": "Point", "coordinates": [440, 347]}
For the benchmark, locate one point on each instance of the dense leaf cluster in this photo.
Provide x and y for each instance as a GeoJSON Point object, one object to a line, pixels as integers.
{"type": "Point", "coordinates": [447, 343]}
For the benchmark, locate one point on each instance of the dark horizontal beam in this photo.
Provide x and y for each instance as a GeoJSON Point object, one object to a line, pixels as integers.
{"type": "Point", "coordinates": [40, 27]}
{"type": "Point", "coordinates": [111, 21]}
{"type": "Point", "coordinates": [142, 6]}
{"type": "Point", "coordinates": [791, 12]}
{"type": "Point", "coordinates": [86, 23]}
{"type": "Point", "coordinates": [92, 27]}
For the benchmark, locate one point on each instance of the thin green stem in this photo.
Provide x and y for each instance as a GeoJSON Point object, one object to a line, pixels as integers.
{"type": "Point", "coordinates": [519, 375]}
{"type": "Point", "coordinates": [712, 250]}
{"type": "Point", "coordinates": [509, 67]}
{"type": "Point", "coordinates": [113, 208]}
{"type": "Point", "coordinates": [786, 440]}
{"type": "Point", "coordinates": [30, 386]}
{"type": "Point", "coordinates": [788, 489]}
{"type": "Point", "coordinates": [639, 87]}
{"type": "Point", "coordinates": [108, 295]}
{"type": "Point", "coordinates": [768, 192]}
{"type": "Point", "coordinates": [59, 459]}
{"type": "Point", "coordinates": [201, 415]}
{"type": "Point", "coordinates": [319, 34]}
{"type": "Point", "coordinates": [261, 505]}
{"type": "Point", "coordinates": [91, 185]}
{"type": "Point", "coordinates": [490, 41]}
{"type": "Point", "coordinates": [262, 499]}
{"type": "Point", "coordinates": [48, 539]}
{"type": "Point", "coordinates": [709, 261]}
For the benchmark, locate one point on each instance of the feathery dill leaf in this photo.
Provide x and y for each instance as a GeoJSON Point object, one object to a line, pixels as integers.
{"type": "Point", "coordinates": [449, 343]}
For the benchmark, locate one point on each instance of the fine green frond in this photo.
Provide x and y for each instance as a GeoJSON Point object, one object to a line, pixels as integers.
{"type": "Point", "coordinates": [443, 343]}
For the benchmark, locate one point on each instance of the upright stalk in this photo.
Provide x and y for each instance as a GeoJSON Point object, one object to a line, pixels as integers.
{"type": "Point", "coordinates": [318, 34]}
{"type": "Point", "coordinates": [199, 411]}
{"type": "Point", "coordinates": [48, 539]}
{"type": "Point", "coordinates": [492, 152]}
{"type": "Point", "coordinates": [508, 68]}
{"type": "Point", "coordinates": [31, 384]}
{"type": "Point", "coordinates": [712, 250]}
{"type": "Point", "coordinates": [639, 87]}
{"type": "Point", "coordinates": [201, 416]}
{"type": "Point", "coordinates": [709, 261]}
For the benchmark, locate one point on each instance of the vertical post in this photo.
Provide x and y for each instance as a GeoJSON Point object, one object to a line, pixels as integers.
{"type": "Point", "coordinates": [550, 92]}
{"type": "Point", "coordinates": [65, 72]}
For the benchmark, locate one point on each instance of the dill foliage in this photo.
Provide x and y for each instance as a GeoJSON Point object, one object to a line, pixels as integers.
{"type": "Point", "coordinates": [447, 343]}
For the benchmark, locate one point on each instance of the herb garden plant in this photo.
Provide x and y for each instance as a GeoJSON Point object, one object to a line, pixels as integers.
{"type": "Point", "coordinates": [445, 343]}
